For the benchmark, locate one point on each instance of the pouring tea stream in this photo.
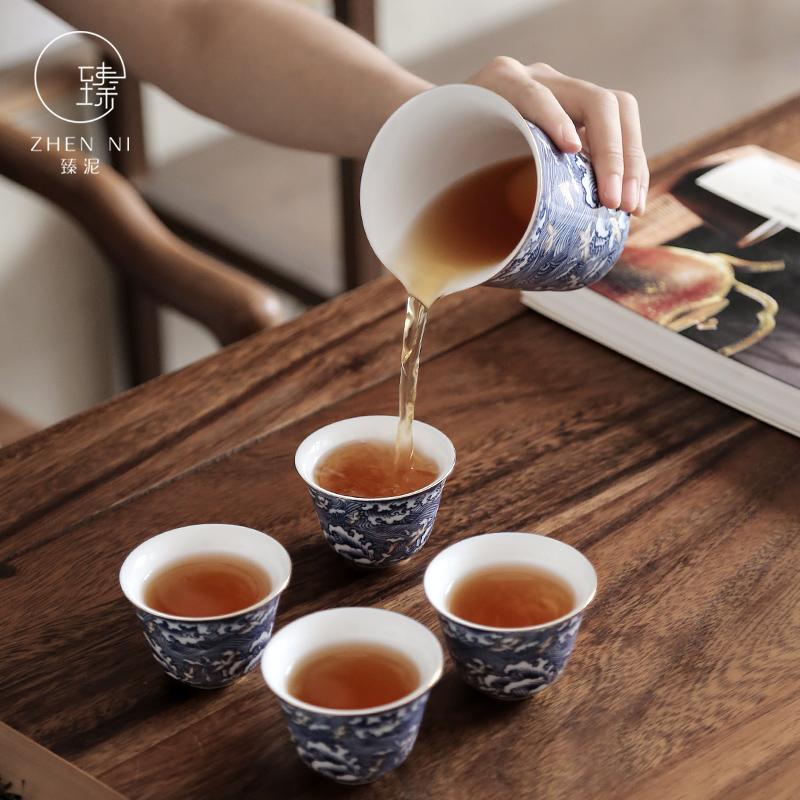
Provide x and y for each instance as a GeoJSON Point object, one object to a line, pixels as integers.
{"type": "Point", "coordinates": [459, 190]}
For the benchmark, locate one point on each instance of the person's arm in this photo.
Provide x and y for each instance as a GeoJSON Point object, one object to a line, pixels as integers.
{"type": "Point", "coordinates": [277, 70]}
{"type": "Point", "coordinates": [270, 68]}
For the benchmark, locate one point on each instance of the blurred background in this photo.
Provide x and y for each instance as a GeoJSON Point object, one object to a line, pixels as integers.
{"type": "Point", "coordinates": [694, 65]}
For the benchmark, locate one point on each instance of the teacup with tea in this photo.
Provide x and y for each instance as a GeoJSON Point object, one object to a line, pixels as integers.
{"type": "Point", "coordinates": [352, 684]}
{"type": "Point", "coordinates": [510, 606]}
{"type": "Point", "coordinates": [206, 597]}
{"type": "Point", "coordinates": [375, 508]}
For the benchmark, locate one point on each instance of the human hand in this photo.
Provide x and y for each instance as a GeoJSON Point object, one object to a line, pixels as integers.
{"type": "Point", "coordinates": [578, 115]}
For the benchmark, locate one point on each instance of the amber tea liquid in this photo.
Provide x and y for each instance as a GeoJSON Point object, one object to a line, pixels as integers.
{"type": "Point", "coordinates": [353, 675]}
{"type": "Point", "coordinates": [511, 596]}
{"type": "Point", "coordinates": [206, 586]}
{"type": "Point", "coordinates": [476, 222]}
{"type": "Point", "coordinates": [369, 469]}
{"type": "Point", "coordinates": [471, 225]}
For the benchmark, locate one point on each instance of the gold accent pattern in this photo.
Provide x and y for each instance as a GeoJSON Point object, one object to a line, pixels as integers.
{"type": "Point", "coordinates": [551, 237]}
{"type": "Point", "coordinates": [752, 266]}
{"type": "Point", "coordinates": [766, 319]}
{"type": "Point", "coordinates": [566, 193]}
{"type": "Point", "coordinates": [586, 240]}
{"type": "Point", "coordinates": [614, 222]}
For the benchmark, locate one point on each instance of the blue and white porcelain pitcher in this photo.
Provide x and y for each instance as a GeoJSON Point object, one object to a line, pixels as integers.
{"type": "Point", "coordinates": [448, 132]}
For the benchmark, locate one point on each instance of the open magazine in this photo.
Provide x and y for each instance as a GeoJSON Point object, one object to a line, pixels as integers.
{"type": "Point", "coordinates": [707, 289]}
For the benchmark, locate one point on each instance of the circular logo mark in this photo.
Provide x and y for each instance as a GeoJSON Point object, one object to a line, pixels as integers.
{"type": "Point", "coordinates": [98, 84]}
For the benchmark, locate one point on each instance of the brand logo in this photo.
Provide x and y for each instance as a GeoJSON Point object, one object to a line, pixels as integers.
{"type": "Point", "coordinates": [98, 83]}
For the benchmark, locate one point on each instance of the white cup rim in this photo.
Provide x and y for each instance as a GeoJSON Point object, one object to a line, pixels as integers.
{"type": "Point", "coordinates": [278, 551]}
{"type": "Point", "coordinates": [326, 615]}
{"type": "Point", "coordinates": [471, 541]}
{"type": "Point", "coordinates": [417, 427]}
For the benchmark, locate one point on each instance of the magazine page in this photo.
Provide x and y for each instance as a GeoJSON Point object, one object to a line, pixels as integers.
{"type": "Point", "coordinates": [717, 260]}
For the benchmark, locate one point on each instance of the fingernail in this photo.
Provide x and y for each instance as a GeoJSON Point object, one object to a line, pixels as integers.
{"type": "Point", "coordinates": [612, 191]}
{"type": "Point", "coordinates": [570, 135]}
{"type": "Point", "coordinates": [642, 199]}
{"type": "Point", "coordinates": [630, 194]}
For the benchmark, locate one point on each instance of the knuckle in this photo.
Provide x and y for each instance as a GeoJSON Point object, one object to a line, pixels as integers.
{"type": "Point", "coordinates": [611, 153]}
{"type": "Point", "coordinates": [627, 101]}
{"type": "Point", "coordinates": [539, 89]}
{"type": "Point", "coordinates": [504, 64]}
{"type": "Point", "coordinates": [540, 68]}
{"type": "Point", "coordinates": [606, 100]}
{"type": "Point", "coordinates": [636, 162]}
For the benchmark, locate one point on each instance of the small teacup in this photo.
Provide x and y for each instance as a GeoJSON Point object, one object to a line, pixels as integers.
{"type": "Point", "coordinates": [510, 663]}
{"type": "Point", "coordinates": [215, 651]}
{"type": "Point", "coordinates": [379, 531]}
{"type": "Point", "coordinates": [353, 746]}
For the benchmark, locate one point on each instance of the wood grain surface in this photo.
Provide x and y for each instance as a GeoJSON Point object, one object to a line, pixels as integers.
{"type": "Point", "coordinates": [685, 678]}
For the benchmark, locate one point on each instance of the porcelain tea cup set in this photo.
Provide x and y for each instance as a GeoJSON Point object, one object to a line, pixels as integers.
{"type": "Point", "coordinates": [362, 745]}
{"type": "Point", "coordinates": [437, 138]}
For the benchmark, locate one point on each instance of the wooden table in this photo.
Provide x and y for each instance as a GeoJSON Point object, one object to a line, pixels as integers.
{"type": "Point", "coordinates": [685, 682]}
